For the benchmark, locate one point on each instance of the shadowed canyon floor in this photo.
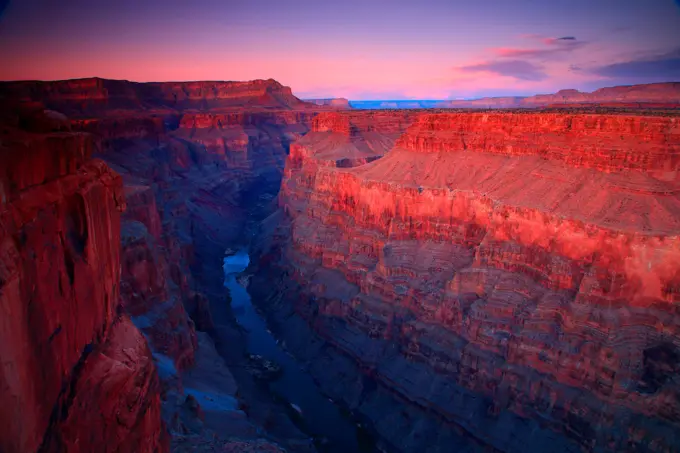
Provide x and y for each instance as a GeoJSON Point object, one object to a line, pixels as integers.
{"type": "Point", "coordinates": [445, 280]}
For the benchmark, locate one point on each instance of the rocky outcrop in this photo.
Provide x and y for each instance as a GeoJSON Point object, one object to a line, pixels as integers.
{"type": "Point", "coordinates": [66, 351]}
{"type": "Point", "coordinates": [113, 404]}
{"type": "Point", "coordinates": [513, 276]}
{"type": "Point", "coordinates": [653, 95]}
{"type": "Point", "coordinates": [483, 280]}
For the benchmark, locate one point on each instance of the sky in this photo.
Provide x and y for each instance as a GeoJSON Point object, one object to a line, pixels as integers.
{"type": "Point", "coordinates": [358, 49]}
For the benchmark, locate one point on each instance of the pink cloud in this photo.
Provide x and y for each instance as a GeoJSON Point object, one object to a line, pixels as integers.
{"type": "Point", "coordinates": [552, 48]}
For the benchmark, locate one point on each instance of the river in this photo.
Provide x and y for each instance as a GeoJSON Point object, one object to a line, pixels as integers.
{"type": "Point", "coordinates": [320, 416]}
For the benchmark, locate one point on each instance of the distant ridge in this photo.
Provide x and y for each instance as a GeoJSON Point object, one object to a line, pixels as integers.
{"type": "Point", "coordinates": [396, 104]}
{"type": "Point", "coordinates": [666, 93]}
{"type": "Point", "coordinates": [93, 95]}
{"type": "Point", "coordinates": [340, 103]}
{"type": "Point", "coordinates": [662, 95]}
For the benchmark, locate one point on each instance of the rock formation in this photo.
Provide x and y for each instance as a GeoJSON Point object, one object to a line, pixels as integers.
{"type": "Point", "coordinates": [513, 276]}
{"type": "Point", "coordinates": [76, 375]}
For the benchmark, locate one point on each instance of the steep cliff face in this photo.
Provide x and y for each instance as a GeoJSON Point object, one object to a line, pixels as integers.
{"type": "Point", "coordinates": [606, 143]}
{"type": "Point", "coordinates": [513, 275]}
{"type": "Point", "coordinates": [66, 349]}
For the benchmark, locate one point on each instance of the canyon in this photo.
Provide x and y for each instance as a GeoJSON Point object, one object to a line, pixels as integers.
{"type": "Point", "coordinates": [450, 280]}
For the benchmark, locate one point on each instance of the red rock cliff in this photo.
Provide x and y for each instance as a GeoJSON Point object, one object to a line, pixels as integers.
{"type": "Point", "coordinates": [503, 271]}
{"type": "Point", "coordinates": [607, 143]}
{"type": "Point", "coordinates": [67, 353]}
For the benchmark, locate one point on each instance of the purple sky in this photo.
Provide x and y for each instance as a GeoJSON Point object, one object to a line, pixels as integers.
{"type": "Point", "coordinates": [360, 49]}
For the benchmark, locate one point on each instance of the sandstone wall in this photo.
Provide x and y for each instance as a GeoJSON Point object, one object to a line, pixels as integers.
{"type": "Point", "coordinates": [66, 349]}
{"type": "Point", "coordinates": [515, 275]}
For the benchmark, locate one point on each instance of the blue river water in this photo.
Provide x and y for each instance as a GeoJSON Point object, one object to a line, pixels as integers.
{"type": "Point", "coordinates": [321, 417]}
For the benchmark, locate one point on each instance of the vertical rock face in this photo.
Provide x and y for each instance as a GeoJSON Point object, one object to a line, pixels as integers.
{"type": "Point", "coordinates": [65, 349]}
{"type": "Point", "coordinates": [513, 275]}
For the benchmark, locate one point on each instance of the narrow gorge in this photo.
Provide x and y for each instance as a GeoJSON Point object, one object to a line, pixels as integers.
{"type": "Point", "coordinates": [395, 280]}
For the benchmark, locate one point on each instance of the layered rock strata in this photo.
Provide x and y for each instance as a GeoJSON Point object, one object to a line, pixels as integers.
{"type": "Point", "coordinates": [513, 276]}
{"type": "Point", "coordinates": [349, 139]}
{"type": "Point", "coordinates": [67, 349]}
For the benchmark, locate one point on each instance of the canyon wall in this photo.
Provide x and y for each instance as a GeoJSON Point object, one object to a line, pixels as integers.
{"type": "Point", "coordinates": [189, 161]}
{"type": "Point", "coordinates": [192, 181]}
{"type": "Point", "coordinates": [505, 281]}
{"type": "Point", "coordinates": [76, 374]}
